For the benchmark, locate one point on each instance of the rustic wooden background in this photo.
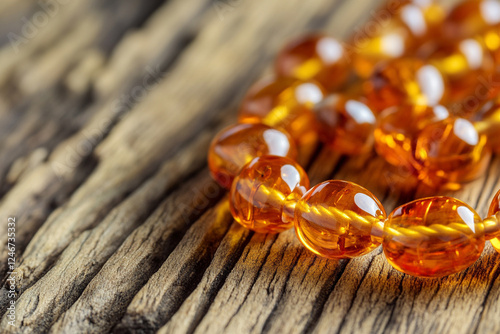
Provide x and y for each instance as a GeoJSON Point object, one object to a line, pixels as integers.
{"type": "Point", "coordinates": [106, 112]}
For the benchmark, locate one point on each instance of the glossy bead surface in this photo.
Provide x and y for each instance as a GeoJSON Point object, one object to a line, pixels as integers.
{"type": "Point", "coordinates": [405, 80]}
{"type": "Point", "coordinates": [315, 56]}
{"type": "Point", "coordinates": [238, 144]}
{"type": "Point", "coordinates": [471, 17]}
{"type": "Point", "coordinates": [397, 130]}
{"type": "Point", "coordinates": [334, 219]}
{"type": "Point", "coordinates": [494, 211]}
{"type": "Point", "coordinates": [285, 103]}
{"type": "Point", "coordinates": [264, 194]}
{"type": "Point", "coordinates": [451, 152]}
{"type": "Point", "coordinates": [487, 122]}
{"type": "Point", "coordinates": [346, 124]}
{"type": "Point", "coordinates": [433, 237]}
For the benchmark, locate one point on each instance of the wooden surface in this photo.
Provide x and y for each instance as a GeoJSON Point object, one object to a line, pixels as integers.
{"type": "Point", "coordinates": [106, 111]}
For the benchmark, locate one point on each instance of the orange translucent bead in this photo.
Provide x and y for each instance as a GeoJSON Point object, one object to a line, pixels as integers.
{"type": "Point", "coordinates": [451, 152]}
{"type": "Point", "coordinates": [405, 80]}
{"type": "Point", "coordinates": [487, 122]}
{"type": "Point", "coordinates": [433, 237]}
{"type": "Point", "coordinates": [285, 103]}
{"type": "Point", "coordinates": [235, 146]}
{"type": "Point", "coordinates": [334, 219]}
{"type": "Point", "coordinates": [470, 18]}
{"type": "Point", "coordinates": [346, 124]}
{"type": "Point", "coordinates": [494, 213]}
{"type": "Point", "coordinates": [462, 63]}
{"type": "Point", "coordinates": [392, 36]}
{"type": "Point", "coordinates": [397, 130]}
{"type": "Point", "coordinates": [317, 57]}
{"type": "Point", "coordinates": [264, 194]}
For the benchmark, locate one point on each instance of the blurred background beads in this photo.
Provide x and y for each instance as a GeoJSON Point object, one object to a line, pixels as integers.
{"type": "Point", "coordinates": [314, 56]}
{"type": "Point", "coordinates": [462, 62]}
{"type": "Point", "coordinates": [487, 122]}
{"type": "Point", "coordinates": [264, 194]}
{"type": "Point", "coordinates": [470, 18]}
{"type": "Point", "coordinates": [451, 152]}
{"type": "Point", "coordinates": [284, 103]}
{"type": "Point", "coordinates": [433, 237]}
{"type": "Point", "coordinates": [334, 219]}
{"type": "Point", "coordinates": [397, 130]}
{"type": "Point", "coordinates": [412, 23]}
{"type": "Point", "coordinates": [238, 144]}
{"type": "Point", "coordinates": [491, 39]}
{"type": "Point", "coordinates": [345, 123]}
{"type": "Point", "coordinates": [405, 80]}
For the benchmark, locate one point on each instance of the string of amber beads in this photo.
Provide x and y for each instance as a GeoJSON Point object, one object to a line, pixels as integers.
{"type": "Point", "coordinates": [315, 56]}
{"type": "Point", "coordinates": [237, 145]}
{"type": "Point", "coordinates": [430, 237]}
{"type": "Point", "coordinates": [283, 103]}
{"type": "Point", "coordinates": [264, 194]}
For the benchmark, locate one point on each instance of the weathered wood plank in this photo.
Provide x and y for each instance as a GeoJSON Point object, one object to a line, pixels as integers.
{"type": "Point", "coordinates": [61, 115]}
{"type": "Point", "coordinates": [56, 291]}
{"type": "Point", "coordinates": [144, 68]}
{"type": "Point", "coordinates": [141, 255]}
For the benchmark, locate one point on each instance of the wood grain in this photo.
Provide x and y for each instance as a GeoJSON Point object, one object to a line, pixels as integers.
{"type": "Point", "coordinates": [106, 113]}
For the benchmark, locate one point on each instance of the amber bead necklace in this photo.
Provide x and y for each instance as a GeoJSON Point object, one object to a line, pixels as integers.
{"type": "Point", "coordinates": [398, 103]}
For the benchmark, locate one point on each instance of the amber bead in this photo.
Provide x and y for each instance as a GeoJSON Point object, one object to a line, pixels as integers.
{"type": "Point", "coordinates": [397, 130]}
{"type": "Point", "coordinates": [433, 237]}
{"type": "Point", "coordinates": [451, 152]}
{"type": "Point", "coordinates": [392, 36]}
{"type": "Point", "coordinates": [405, 80]}
{"type": "Point", "coordinates": [283, 102]}
{"type": "Point", "coordinates": [235, 146]}
{"type": "Point", "coordinates": [334, 219]}
{"type": "Point", "coordinates": [462, 63]}
{"type": "Point", "coordinates": [487, 122]}
{"type": "Point", "coordinates": [494, 213]}
{"type": "Point", "coordinates": [346, 124]}
{"type": "Point", "coordinates": [315, 56]}
{"type": "Point", "coordinates": [264, 194]}
{"type": "Point", "coordinates": [471, 17]}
